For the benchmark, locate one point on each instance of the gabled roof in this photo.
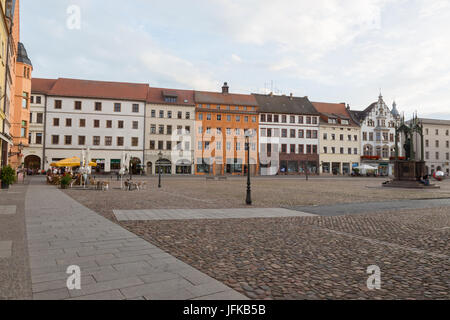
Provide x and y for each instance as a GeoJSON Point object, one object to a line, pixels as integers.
{"type": "Point", "coordinates": [285, 104]}
{"type": "Point", "coordinates": [184, 97]}
{"type": "Point", "coordinates": [64, 87]}
{"type": "Point", "coordinates": [42, 86]}
{"type": "Point", "coordinates": [334, 110]}
{"type": "Point", "coordinates": [225, 98]}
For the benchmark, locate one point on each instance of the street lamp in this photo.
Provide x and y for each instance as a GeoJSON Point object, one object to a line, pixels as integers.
{"type": "Point", "coordinates": [160, 155]}
{"type": "Point", "coordinates": [248, 199]}
{"type": "Point", "coordinates": [20, 146]}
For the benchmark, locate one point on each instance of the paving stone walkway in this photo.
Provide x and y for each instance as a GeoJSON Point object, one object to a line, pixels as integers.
{"type": "Point", "coordinates": [191, 214]}
{"type": "Point", "coordinates": [369, 207]}
{"type": "Point", "coordinates": [115, 263]}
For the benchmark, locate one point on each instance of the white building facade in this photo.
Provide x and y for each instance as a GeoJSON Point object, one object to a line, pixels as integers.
{"type": "Point", "coordinates": [34, 153]}
{"type": "Point", "coordinates": [378, 123]}
{"type": "Point", "coordinates": [106, 117]}
{"type": "Point", "coordinates": [288, 135]}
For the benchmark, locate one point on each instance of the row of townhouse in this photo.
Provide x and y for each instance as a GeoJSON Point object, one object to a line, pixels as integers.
{"type": "Point", "coordinates": [15, 86]}
{"type": "Point", "coordinates": [203, 133]}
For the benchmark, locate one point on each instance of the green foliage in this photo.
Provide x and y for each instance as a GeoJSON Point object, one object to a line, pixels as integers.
{"type": "Point", "coordinates": [8, 175]}
{"type": "Point", "coordinates": [66, 180]}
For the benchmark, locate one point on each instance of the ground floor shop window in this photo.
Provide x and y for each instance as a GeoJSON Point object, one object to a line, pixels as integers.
{"type": "Point", "coordinates": [346, 168]}
{"type": "Point", "coordinates": [283, 166]}
{"type": "Point", "coordinates": [326, 167]}
{"type": "Point", "coordinates": [183, 169]}
{"type": "Point", "coordinates": [100, 168]}
{"type": "Point", "coordinates": [336, 168]}
{"type": "Point", "coordinates": [292, 166]}
{"type": "Point", "coordinates": [115, 164]}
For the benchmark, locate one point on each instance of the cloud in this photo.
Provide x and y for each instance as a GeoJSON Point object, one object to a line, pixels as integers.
{"type": "Point", "coordinates": [236, 58]}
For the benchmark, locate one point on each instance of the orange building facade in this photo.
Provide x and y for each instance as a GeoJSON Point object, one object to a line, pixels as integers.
{"type": "Point", "coordinates": [224, 124]}
{"type": "Point", "coordinates": [20, 91]}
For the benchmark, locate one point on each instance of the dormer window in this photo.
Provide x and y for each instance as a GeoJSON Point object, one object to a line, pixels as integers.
{"type": "Point", "coordinates": [344, 121]}
{"type": "Point", "coordinates": [170, 99]}
{"type": "Point", "coordinates": [332, 120]}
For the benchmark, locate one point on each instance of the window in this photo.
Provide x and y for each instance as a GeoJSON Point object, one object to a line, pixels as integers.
{"type": "Point", "coordinates": [135, 108]}
{"type": "Point", "coordinates": [355, 137]}
{"type": "Point", "coordinates": [161, 129]}
{"type": "Point", "coordinates": [355, 150]}
{"type": "Point", "coordinates": [246, 119]}
{"type": "Point", "coordinates": [364, 136]}
{"type": "Point", "coordinates": [152, 144]}
{"type": "Point", "coordinates": [56, 122]}
{"type": "Point", "coordinates": [238, 118]}
{"type": "Point", "coordinates": [39, 117]}
{"type": "Point", "coordinates": [437, 143]}
{"type": "Point", "coordinates": [292, 133]}
{"type": "Point", "coordinates": [284, 133]}
{"type": "Point", "coordinates": [38, 100]}
{"type": "Point", "coordinates": [188, 115]}
{"type": "Point", "coordinates": [153, 113]}
{"type": "Point", "coordinates": [200, 129]}
{"type": "Point", "coordinates": [208, 130]}
{"type": "Point", "coordinates": [228, 145]}
{"type": "Point", "coordinates": [67, 140]}
{"type": "Point", "coordinates": [292, 119]}
{"type": "Point", "coordinates": [349, 150]}
{"type": "Point", "coordinates": [108, 141]}
{"type": "Point", "coordinates": [135, 124]}
{"type": "Point", "coordinates": [68, 122]}
{"type": "Point", "coordinates": [169, 114]}
{"type": "Point", "coordinates": [187, 129]}
{"type": "Point", "coordinates": [325, 149]}
{"type": "Point", "coordinates": [135, 141]}
{"type": "Point", "coordinates": [169, 129]}
{"type": "Point", "coordinates": [161, 113]}
{"type": "Point", "coordinates": [301, 149]}
{"type": "Point", "coordinates": [269, 132]}
{"type": "Point", "coordinates": [117, 107]}
{"type": "Point", "coordinates": [292, 148]}
{"type": "Point", "coordinates": [427, 155]}
{"type": "Point", "coordinates": [308, 149]}
{"type": "Point", "coordinates": [283, 148]}
{"type": "Point", "coordinates": [39, 138]}
{"type": "Point", "coordinates": [300, 119]}
{"type": "Point", "coordinates": [238, 146]}
{"type": "Point", "coordinates": [96, 123]}
{"type": "Point", "coordinates": [120, 124]}
{"type": "Point", "coordinates": [96, 140]}
{"type": "Point", "coordinates": [263, 118]}
{"type": "Point", "coordinates": [349, 137]}
{"type": "Point", "coordinates": [207, 143]}
{"type": "Point", "coordinates": [437, 155]}
{"type": "Point", "coordinates": [314, 134]}
{"type": "Point", "coordinates": [341, 137]}
{"type": "Point", "coordinates": [314, 147]}
{"type": "Point", "coordinates": [253, 119]}
{"type": "Point", "coordinates": [81, 140]}
{"type": "Point", "coordinates": [325, 136]}
{"type": "Point", "coordinates": [58, 104]}
{"type": "Point", "coordinates": [208, 116]}
{"type": "Point", "coordinates": [32, 99]}
{"type": "Point", "coordinates": [109, 124]}
{"type": "Point", "coordinates": [308, 120]}
{"type": "Point", "coordinates": [228, 118]}
{"type": "Point", "coordinates": [219, 117]}
{"type": "Point", "coordinates": [437, 132]}
{"type": "Point", "coordinates": [98, 106]}
{"type": "Point", "coordinates": [160, 145]}
{"type": "Point", "coordinates": [314, 121]}
{"type": "Point", "coordinates": [283, 118]}
{"type": "Point", "coordinates": [115, 164]}
{"type": "Point", "coordinates": [199, 145]}
{"type": "Point", "coordinates": [308, 134]}
{"type": "Point", "coordinates": [344, 121]}
{"type": "Point", "coordinates": [25, 100]}
{"type": "Point", "coordinates": [77, 105]}
{"type": "Point", "coordinates": [119, 141]}
{"type": "Point", "coordinates": [180, 115]}
{"type": "Point", "coordinates": [55, 139]}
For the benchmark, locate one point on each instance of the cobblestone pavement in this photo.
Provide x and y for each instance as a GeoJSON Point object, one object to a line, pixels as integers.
{"type": "Point", "coordinates": [322, 257]}
{"type": "Point", "coordinates": [316, 257]}
{"type": "Point", "coordinates": [197, 193]}
{"type": "Point", "coordinates": [14, 272]}
{"type": "Point", "coordinates": [115, 263]}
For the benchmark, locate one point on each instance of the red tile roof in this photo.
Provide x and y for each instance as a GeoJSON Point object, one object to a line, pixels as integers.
{"type": "Point", "coordinates": [97, 89]}
{"type": "Point", "coordinates": [336, 109]}
{"type": "Point", "coordinates": [43, 86]}
{"type": "Point", "coordinates": [225, 98]}
{"type": "Point", "coordinates": [184, 97]}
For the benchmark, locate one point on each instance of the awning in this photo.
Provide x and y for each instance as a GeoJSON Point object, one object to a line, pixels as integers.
{"type": "Point", "coordinates": [70, 162]}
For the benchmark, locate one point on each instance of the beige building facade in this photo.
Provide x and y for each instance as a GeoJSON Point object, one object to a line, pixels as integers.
{"type": "Point", "coordinates": [436, 135]}
{"type": "Point", "coordinates": [339, 143]}
{"type": "Point", "coordinates": [169, 131]}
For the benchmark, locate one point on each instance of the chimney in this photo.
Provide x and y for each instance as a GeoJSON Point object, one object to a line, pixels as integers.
{"type": "Point", "coordinates": [348, 107]}
{"type": "Point", "coordinates": [225, 88]}
{"type": "Point", "coordinates": [271, 93]}
{"type": "Point", "coordinates": [290, 96]}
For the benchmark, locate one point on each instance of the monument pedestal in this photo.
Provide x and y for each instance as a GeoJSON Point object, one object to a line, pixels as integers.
{"type": "Point", "coordinates": [407, 174]}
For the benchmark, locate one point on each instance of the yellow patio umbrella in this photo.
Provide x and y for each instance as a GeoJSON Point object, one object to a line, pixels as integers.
{"type": "Point", "coordinates": [70, 162]}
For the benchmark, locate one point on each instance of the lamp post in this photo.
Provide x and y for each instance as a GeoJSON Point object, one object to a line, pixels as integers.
{"type": "Point", "coordinates": [160, 155]}
{"type": "Point", "coordinates": [248, 199]}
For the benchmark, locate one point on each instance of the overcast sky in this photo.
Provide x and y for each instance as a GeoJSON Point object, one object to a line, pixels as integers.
{"type": "Point", "coordinates": [328, 50]}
